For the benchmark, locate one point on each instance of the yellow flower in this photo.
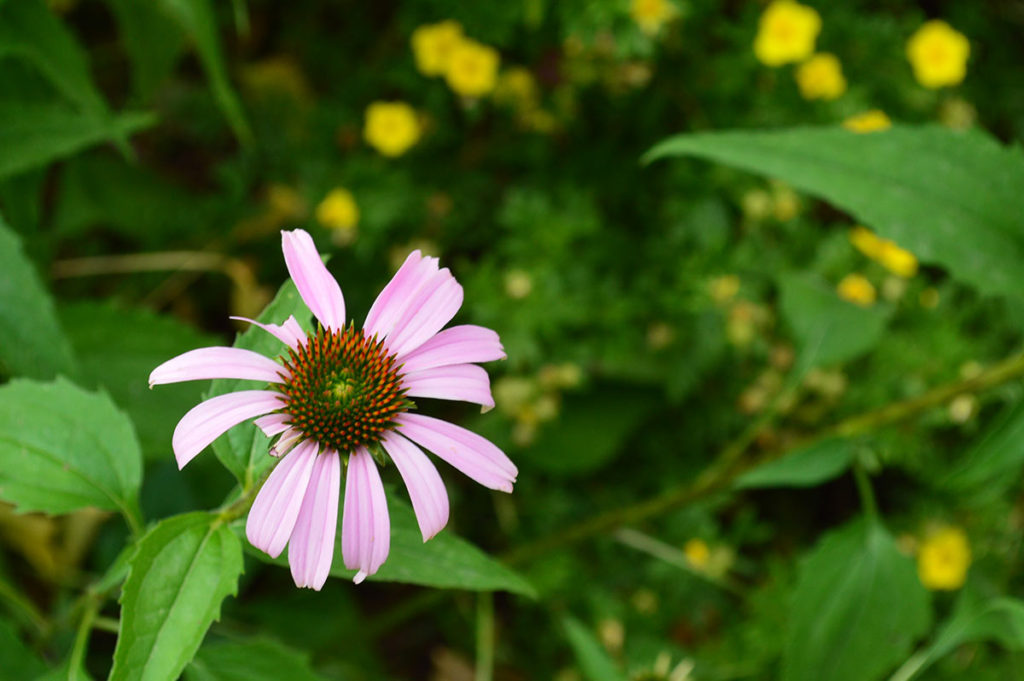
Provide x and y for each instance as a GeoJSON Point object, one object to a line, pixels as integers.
{"type": "Point", "coordinates": [338, 210]}
{"type": "Point", "coordinates": [516, 87]}
{"type": "Point", "coordinates": [391, 127]}
{"type": "Point", "coordinates": [786, 33]}
{"type": "Point", "coordinates": [857, 289]}
{"type": "Point", "coordinates": [897, 260]}
{"type": "Point", "coordinates": [821, 77]}
{"type": "Point", "coordinates": [651, 15]}
{"type": "Point", "coordinates": [938, 54]}
{"type": "Point", "coordinates": [869, 121]}
{"type": "Point", "coordinates": [866, 241]}
{"type": "Point", "coordinates": [432, 46]}
{"type": "Point", "coordinates": [473, 69]}
{"type": "Point", "coordinates": [943, 559]}
{"type": "Point", "coordinates": [697, 553]}
{"type": "Point", "coordinates": [724, 288]}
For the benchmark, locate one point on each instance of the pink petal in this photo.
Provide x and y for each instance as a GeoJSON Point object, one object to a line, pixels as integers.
{"type": "Point", "coordinates": [207, 363]}
{"type": "Point", "coordinates": [286, 442]}
{"type": "Point", "coordinates": [272, 424]}
{"type": "Point", "coordinates": [311, 548]}
{"type": "Point", "coordinates": [394, 298]}
{"type": "Point", "coordinates": [429, 498]}
{"type": "Point", "coordinates": [273, 514]}
{"type": "Point", "coordinates": [289, 333]}
{"type": "Point", "coordinates": [457, 345]}
{"type": "Point", "coordinates": [473, 455]}
{"type": "Point", "coordinates": [431, 308]}
{"type": "Point", "coordinates": [317, 287]}
{"type": "Point", "coordinates": [208, 420]}
{"type": "Point", "coordinates": [465, 382]}
{"type": "Point", "coordinates": [365, 525]}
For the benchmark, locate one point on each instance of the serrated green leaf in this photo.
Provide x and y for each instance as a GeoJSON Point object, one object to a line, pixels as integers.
{"type": "Point", "coordinates": [32, 343]}
{"type": "Point", "coordinates": [827, 329]}
{"type": "Point", "coordinates": [19, 662]}
{"type": "Point", "coordinates": [842, 624]}
{"type": "Point", "coordinates": [63, 448]}
{"type": "Point", "coordinates": [36, 134]}
{"type": "Point", "coordinates": [118, 347]}
{"type": "Point", "coordinates": [594, 663]}
{"type": "Point", "coordinates": [182, 571]}
{"type": "Point", "coordinates": [931, 189]}
{"type": "Point", "coordinates": [446, 561]}
{"type": "Point", "coordinates": [251, 660]}
{"type": "Point", "coordinates": [805, 467]}
{"type": "Point", "coordinates": [243, 449]}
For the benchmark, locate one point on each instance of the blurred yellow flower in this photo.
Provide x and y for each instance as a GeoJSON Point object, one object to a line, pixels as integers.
{"type": "Point", "coordinates": [338, 210]}
{"type": "Point", "coordinates": [651, 15]}
{"type": "Point", "coordinates": [943, 560]}
{"type": "Point", "coordinates": [785, 202]}
{"type": "Point", "coordinates": [866, 241]}
{"type": "Point", "coordinates": [938, 54]}
{"type": "Point", "coordinates": [786, 33]}
{"type": "Point", "coordinates": [516, 87]}
{"type": "Point", "coordinates": [473, 69]}
{"type": "Point", "coordinates": [897, 260]}
{"type": "Point", "coordinates": [391, 127]}
{"type": "Point", "coordinates": [697, 553]}
{"type": "Point", "coordinates": [432, 46]}
{"type": "Point", "coordinates": [869, 121]}
{"type": "Point", "coordinates": [821, 77]}
{"type": "Point", "coordinates": [856, 289]}
{"type": "Point", "coordinates": [724, 288]}
{"type": "Point", "coordinates": [518, 283]}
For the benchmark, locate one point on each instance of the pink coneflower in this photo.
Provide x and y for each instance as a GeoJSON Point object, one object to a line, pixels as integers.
{"type": "Point", "coordinates": [340, 397]}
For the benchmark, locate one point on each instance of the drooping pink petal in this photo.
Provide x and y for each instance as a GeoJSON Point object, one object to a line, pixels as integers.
{"type": "Point", "coordinates": [394, 298]}
{"type": "Point", "coordinates": [365, 525]}
{"type": "Point", "coordinates": [206, 421]}
{"type": "Point", "coordinates": [272, 424]}
{"type": "Point", "coordinates": [457, 345]}
{"type": "Point", "coordinates": [311, 548]}
{"type": "Point", "coordinates": [273, 514]}
{"type": "Point", "coordinates": [318, 288]}
{"type": "Point", "coordinates": [475, 456]}
{"type": "Point", "coordinates": [289, 333]}
{"type": "Point", "coordinates": [286, 442]}
{"type": "Point", "coordinates": [426, 489]}
{"type": "Point", "coordinates": [208, 363]}
{"type": "Point", "coordinates": [464, 382]}
{"type": "Point", "coordinates": [431, 308]}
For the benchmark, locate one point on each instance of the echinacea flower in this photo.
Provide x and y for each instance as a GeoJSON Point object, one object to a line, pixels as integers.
{"type": "Point", "coordinates": [340, 398]}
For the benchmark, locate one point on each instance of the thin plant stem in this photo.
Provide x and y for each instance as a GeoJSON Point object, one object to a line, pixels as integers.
{"type": "Point", "coordinates": [23, 608]}
{"type": "Point", "coordinates": [89, 614]}
{"type": "Point", "coordinates": [673, 556]}
{"type": "Point", "coordinates": [911, 667]}
{"type": "Point", "coordinates": [865, 491]}
{"type": "Point", "coordinates": [484, 636]}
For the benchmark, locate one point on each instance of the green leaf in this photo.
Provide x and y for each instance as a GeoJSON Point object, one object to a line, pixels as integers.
{"type": "Point", "coordinates": [32, 343]}
{"type": "Point", "coordinates": [19, 663]}
{"type": "Point", "coordinates": [118, 347]}
{"type": "Point", "coordinates": [843, 625]}
{"type": "Point", "coordinates": [592, 658]}
{"type": "Point", "coordinates": [992, 465]}
{"type": "Point", "coordinates": [36, 134]}
{"type": "Point", "coordinates": [446, 561]}
{"type": "Point", "coordinates": [153, 43]}
{"type": "Point", "coordinates": [243, 449]}
{"type": "Point", "coordinates": [252, 660]}
{"type": "Point", "coordinates": [183, 568]}
{"type": "Point", "coordinates": [950, 197]}
{"type": "Point", "coordinates": [63, 448]}
{"type": "Point", "coordinates": [197, 19]}
{"type": "Point", "coordinates": [805, 467]}
{"type": "Point", "coordinates": [827, 329]}
{"type": "Point", "coordinates": [590, 430]}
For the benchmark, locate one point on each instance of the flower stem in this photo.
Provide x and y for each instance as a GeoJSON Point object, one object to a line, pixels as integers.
{"type": "Point", "coordinates": [92, 607]}
{"type": "Point", "coordinates": [484, 636]}
{"type": "Point", "coordinates": [865, 491]}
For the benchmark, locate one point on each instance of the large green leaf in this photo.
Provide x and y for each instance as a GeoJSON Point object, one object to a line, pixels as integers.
{"type": "Point", "coordinates": [182, 571]}
{"type": "Point", "coordinates": [805, 467]}
{"type": "Point", "coordinates": [827, 329]}
{"type": "Point", "coordinates": [31, 341]}
{"type": "Point", "coordinates": [243, 449]}
{"type": "Point", "coordinates": [35, 134]}
{"type": "Point", "coordinates": [63, 448]}
{"type": "Point", "coordinates": [593, 660]}
{"type": "Point", "coordinates": [153, 43]}
{"type": "Point", "coordinates": [843, 625]}
{"type": "Point", "coordinates": [992, 465]}
{"type": "Point", "coordinates": [118, 347]}
{"type": "Point", "coordinates": [951, 197]}
{"type": "Point", "coordinates": [250, 660]}
{"type": "Point", "coordinates": [19, 663]}
{"type": "Point", "coordinates": [446, 561]}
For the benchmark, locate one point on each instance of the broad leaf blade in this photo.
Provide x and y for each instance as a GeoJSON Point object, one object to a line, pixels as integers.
{"type": "Point", "coordinates": [932, 190]}
{"type": "Point", "coordinates": [251, 660]}
{"type": "Point", "coordinates": [32, 343]}
{"type": "Point", "coordinates": [806, 467]}
{"type": "Point", "coordinates": [182, 571]}
{"type": "Point", "coordinates": [843, 626]}
{"type": "Point", "coordinates": [63, 448]}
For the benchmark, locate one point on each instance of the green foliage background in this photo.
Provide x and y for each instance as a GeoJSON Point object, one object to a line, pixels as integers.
{"type": "Point", "coordinates": [658, 240]}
